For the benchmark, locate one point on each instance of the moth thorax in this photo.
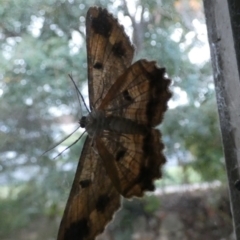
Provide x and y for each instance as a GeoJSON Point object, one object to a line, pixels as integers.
{"type": "Point", "coordinates": [94, 123]}
{"type": "Point", "coordinates": [124, 126]}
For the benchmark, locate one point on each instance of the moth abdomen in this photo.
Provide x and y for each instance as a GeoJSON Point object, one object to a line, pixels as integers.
{"type": "Point", "coordinates": [123, 125]}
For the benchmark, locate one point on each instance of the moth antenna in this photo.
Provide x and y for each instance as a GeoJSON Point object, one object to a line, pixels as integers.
{"type": "Point", "coordinates": [61, 141]}
{"type": "Point", "coordinates": [79, 93]}
{"type": "Point", "coordinates": [69, 146]}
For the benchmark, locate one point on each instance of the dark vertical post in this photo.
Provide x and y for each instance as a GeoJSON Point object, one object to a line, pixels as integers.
{"type": "Point", "coordinates": [223, 24]}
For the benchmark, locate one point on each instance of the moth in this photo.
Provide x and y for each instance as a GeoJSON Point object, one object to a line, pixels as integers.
{"type": "Point", "coordinates": [122, 154]}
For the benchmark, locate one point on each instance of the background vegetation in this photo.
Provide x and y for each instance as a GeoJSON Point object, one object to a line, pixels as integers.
{"type": "Point", "coordinates": [42, 41]}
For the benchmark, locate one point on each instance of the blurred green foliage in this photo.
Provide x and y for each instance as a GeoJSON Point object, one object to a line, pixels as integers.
{"type": "Point", "coordinates": [39, 50]}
